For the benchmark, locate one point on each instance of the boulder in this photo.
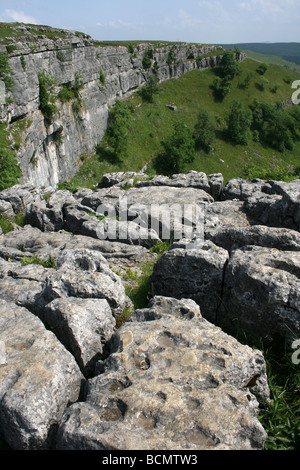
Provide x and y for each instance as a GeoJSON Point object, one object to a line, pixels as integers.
{"type": "Point", "coordinates": [39, 379]}
{"type": "Point", "coordinates": [85, 278]}
{"type": "Point", "coordinates": [20, 196]}
{"type": "Point", "coordinates": [83, 326]}
{"type": "Point", "coordinates": [29, 240]}
{"type": "Point", "coordinates": [261, 294]}
{"type": "Point", "coordinates": [47, 219]}
{"type": "Point", "coordinates": [193, 179]}
{"type": "Point", "coordinates": [230, 237]}
{"type": "Point", "coordinates": [171, 380]}
{"type": "Point", "coordinates": [216, 181]}
{"type": "Point", "coordinates": [112, 179]}
{"type": "Point", "coordinates": [222, 214]}
{"type": "Point", "coordinates": [192, 273]}
{"type": "Point", "coordinates": [124, 231]}
{"type": "Point", "coordinates": [6, 209]}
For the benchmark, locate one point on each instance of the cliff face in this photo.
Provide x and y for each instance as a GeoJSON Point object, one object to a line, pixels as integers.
{"type": "Point", "coordinates": [49, 151]}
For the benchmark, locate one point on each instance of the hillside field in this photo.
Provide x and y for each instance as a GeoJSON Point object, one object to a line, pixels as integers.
{"type": "Point", "coordinates": [151, 123]}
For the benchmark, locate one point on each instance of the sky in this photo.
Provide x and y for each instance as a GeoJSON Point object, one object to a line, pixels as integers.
{"type": "Point", "coordinates": [200, 21]}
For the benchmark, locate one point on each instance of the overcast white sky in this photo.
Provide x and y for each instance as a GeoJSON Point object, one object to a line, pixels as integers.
{"type": "Point", "coordinates": [203, 21]}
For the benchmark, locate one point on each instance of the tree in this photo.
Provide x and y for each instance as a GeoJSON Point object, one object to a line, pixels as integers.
{"type": "Point", "coordinates": [151, 88]}
{"type": "Point", "coordinates": [178, 150]}
{"type": "Point", "coordinates": [117, 131]}
{"type": "Point", "coordinates": [229, 65]}
{"type": "Point", "coordinates": [204, 131]}
{"type": "Point", "coordinates": [280, 132]}
{"type": "Point", "coordinates": [9, 169]}
{"type": "Point", "coordinates": [221, 87]}
{"type": "Point", "coordinates": [239, 123]}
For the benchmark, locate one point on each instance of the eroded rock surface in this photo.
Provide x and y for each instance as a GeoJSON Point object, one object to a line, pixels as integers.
{"type": "Point", "coordinates": [240, 268]}
{"type": "Point", "coordinates": [39, 379]}
{"type": "Point", "coordinates": [172, 381]}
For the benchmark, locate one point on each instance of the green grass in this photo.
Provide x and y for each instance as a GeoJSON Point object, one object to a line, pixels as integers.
{"type": "Point", "coordinates": [281, 418]}
{"type": "Point", "coordinates": [7, 224]}
{"type": "Point", "coordinates": [152, 122]}
{"type": "Point", "coordinates": [49, 263]}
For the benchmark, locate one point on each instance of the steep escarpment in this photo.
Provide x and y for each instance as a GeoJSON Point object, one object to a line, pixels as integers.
{"type": "Point", "coordinates": [63, 85]}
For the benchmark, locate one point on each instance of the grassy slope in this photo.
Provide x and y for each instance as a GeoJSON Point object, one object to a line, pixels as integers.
{"type": "Point", "coordinates": [152, 122]}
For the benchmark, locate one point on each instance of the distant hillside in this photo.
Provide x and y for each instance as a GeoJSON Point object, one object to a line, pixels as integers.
{"type": "Point", "coordinates": [289, 51]}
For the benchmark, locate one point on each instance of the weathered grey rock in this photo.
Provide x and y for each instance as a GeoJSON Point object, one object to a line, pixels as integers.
{"type": "Point", "coordinates": [172, 381]}
{"type": "Point", "coordinates": [6, 209]}
{"type": "Point", "coordinates": [261, 294]}
{"type": "Point", "coordinates": [112, 179]}
{"type": "Point", "coordinates": [74, 217]}
{"type": "Point", "coordinates": [20, 196]}
{"type": "Point", "coordinates": [28, 241]}
{"type": "Point", "coordinates": [39, 379]}
{"type": "Point", "coordinates": [238, 188]}
{"type": "Point", "coordinates": [273, 203]}
{"type": "Point", "coordinates": [20, 284]}
{"type": "Point", "coordinates": [61, 198]}
{"type": "Point", "coordinates": [290, 193]}
{"type": "Point", "coordinates": [114, 230]}
{"type": "Point", "coordinates": [231, 238]}
{"type": "Point", "coordinates": [223, 214]}
{"type": "Point", "coordinates": [216, 181]}
{"type": "Point", "coordinates": [47, 219]}
{"type": "Point", "coordinates": [88, 277]}
{"type": "Point", "coordinates": [194, 274]}
{"type": "Point", "coordinates": [83, 326]}
{"type": "Point", "coordinates": [193, 179]}
{"type": "Point", "coordinates": [106, 197]}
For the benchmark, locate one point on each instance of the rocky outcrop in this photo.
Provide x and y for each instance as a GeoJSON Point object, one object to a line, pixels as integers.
{"type": "Point", "coordinates": [164, 369]}
{"type": "Point", "coordinates": [239, 271]}
{"type": "Point", "coordinates": [38, 381]}
{"type": "Point", "coordinates": [50, 151]}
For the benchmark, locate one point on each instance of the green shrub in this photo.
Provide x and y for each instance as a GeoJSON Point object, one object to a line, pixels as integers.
{"type": "Point", "coordinates": [23, 62]}
{"type": "Point", "coordinates": [239, 123]}
{"type": "Point", "coordinates": [170, 58]}
{"type": "Point", "coordinates": [179, 149]}
{"type": "Point", "coordinates": [10, 172]}
{"type": "Point", "coordinates": [102, 77]}
{"type": "Point", "coordinates": [221, 87]}
{"type": "Point", "coordinates": [6, 224]}
{"type": "Point", "coordinates": [261, 69]}
{"type": "Point", "coordinates": [147, 60]}
{"type": "Point", "coordinates": [150, 89]}
{"type": "Point", "coordinates": [46, 95]}
{"type": "Point", "coordinates": [160, 247]}
{"type": "Point", "coordinates": [204, 131]}
{"type": "Point", "coordinates": [49, 263]}
{"type": "Point", "coordinates": [66, 93]}
{"type": "Point", "coordinates": [6, 72]}
{"type": "Point", "coordinates": [117, 133]}
{"type": "Point", "coordinates": [229, 66]}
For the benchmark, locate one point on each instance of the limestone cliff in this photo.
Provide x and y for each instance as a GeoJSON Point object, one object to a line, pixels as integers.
{"type": "Point", "coordinates": [49, 151]}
